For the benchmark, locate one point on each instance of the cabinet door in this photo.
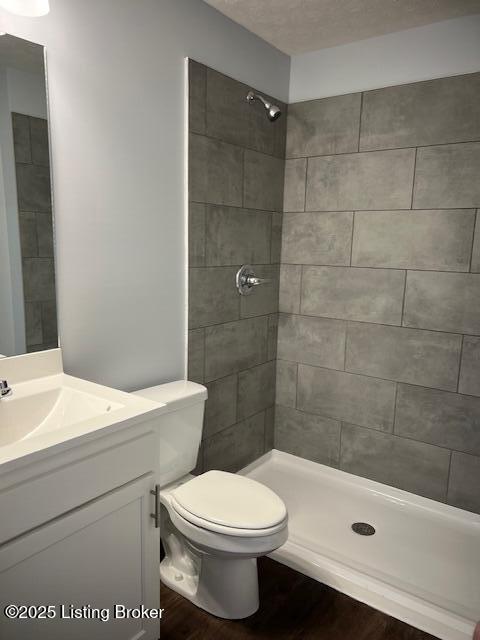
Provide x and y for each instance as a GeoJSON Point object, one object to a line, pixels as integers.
{"type": "Point", "coordinates": [103, 554]}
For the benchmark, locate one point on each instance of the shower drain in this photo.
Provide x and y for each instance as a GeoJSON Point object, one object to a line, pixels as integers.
{"type": "Point", "coordinates": [363, 528]}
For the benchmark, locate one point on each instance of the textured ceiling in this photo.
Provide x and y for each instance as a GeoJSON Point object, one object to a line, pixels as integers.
{"type": "Point", "coordinates": [298, 26]}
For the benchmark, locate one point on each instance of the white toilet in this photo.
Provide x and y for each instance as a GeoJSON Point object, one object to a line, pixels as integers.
{"type": "Point", "coordinates": [215, 525]}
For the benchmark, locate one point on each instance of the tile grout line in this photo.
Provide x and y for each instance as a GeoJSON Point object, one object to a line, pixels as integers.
{"type": "Point", "coordinates": [204, 355]}
{"type": "Point", "coordinates": [357, 266]}
{"type": "Point", "coordinates": [234, 266]}
{"type": "Point", "coordinates": [271, 240]}
{"type": "Point", "coordinates": [370, 322]}
{"type": "Point", "coordinates": [270, 222]}
{"type": "Point", "coordinates": [296, 385]}
{"type": "Point", "coordinates": [305, 187]}
{"type": "Point", "coordinates": [234, 424]}
{"type": "Point", "coordinates": [460, 363]}
{"type": "Point", "coordinates": [205, 227]}
{"type": "Point", "coordinates": [352, 236]}
{"type": "Point", "coordinates": [371, 377]}
{"type": "Point", "coordinates": [404, 299]}
{"type": "Point", "coordinates": [413, 178]}
{"type": "Point", "coordinates": [300, 292]}
{"type": "Point", "coordinates": [447, 488]}
{"type": "Point", "coordinates": [265, 430]}
{"type": "Point", "coordinates": [238, 395]}
{"type": "Point", "coordinates": [382, 149]}
{"type": "Point", "coordinates": [244, 160]}
{"type": "Point", "coordinates": [272, 211]}
{"type": "Point", "coordinates": [345, 346]}
{"type": "Point", "coordinates": [360, 120]}
{"type": "Point", "coordinates": [380, 431]}
{"type": "Point", "coordinates": [394, 417]}
{"type": "Point", "coordinates": [205, 106]}
{"type": "Point", "coordinates": [475, 223]}
{"type": "Point", "coordinates": [340, 445]}
{"type": "Point", "coordinates": [239, 146]}
{"type": "Point", "coordinates": [221, 324]}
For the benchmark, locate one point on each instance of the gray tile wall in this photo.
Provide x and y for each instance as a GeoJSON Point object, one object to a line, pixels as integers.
{"type": "Point", "coordinates": [236, 177]}
{"type": "Point", "coordinates": [30, 138]}
{"type": "Point", "coordinates": [378, 368]}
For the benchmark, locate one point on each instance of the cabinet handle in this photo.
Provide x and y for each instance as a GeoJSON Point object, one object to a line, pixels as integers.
{"type": "Point", "coordinates": [156, 516]}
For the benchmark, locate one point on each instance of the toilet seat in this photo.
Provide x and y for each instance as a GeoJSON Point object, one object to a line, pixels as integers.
{"type": "Point", "coordinates": [229, 504]}
{"type": "Point", "coordinates": [227, 531]}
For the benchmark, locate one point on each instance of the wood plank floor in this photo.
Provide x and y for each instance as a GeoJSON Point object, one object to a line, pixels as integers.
{"type": "Point", "coordinates": [292, 607]}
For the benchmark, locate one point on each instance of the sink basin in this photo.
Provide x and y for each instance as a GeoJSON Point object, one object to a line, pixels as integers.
{"type": "Point", "coordinates": [48, 407]}
{"type": "Point", "coordinates": [26, 415]}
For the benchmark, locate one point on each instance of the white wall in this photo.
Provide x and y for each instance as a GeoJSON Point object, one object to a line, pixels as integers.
{"type": "Point", "coordinates": [116, 91]}
{"type": "Point", "coordinates": [437, 50]}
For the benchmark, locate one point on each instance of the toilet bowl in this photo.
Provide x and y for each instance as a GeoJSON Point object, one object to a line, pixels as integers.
{"type": "Point", "coordinates": [213, 526]}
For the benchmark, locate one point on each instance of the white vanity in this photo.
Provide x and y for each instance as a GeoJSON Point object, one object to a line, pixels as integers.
{"type": "Point", "coordinates": [78, 465]}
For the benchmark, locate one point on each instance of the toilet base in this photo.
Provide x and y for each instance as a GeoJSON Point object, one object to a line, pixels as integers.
{"type": "Point", "coordinates": [223, 584]}
{"type": "Point", "coordinates": [225, 587]}
{"type": "Point", "coordinates": [216, 572]}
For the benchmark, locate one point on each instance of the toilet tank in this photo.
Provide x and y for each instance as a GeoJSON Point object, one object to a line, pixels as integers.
{"type": "Point", "coordinates": [180, 427]}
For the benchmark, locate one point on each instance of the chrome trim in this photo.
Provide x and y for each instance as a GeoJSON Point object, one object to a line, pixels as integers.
{"type": "Point", "coordinates": [5, 389]}
{"type": "Point", "coordinates": [156, 515]}
{"type": "Point", "coordinates": [246, 280]}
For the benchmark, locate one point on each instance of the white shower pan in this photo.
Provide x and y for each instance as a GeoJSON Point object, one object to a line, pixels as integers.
{"type": "Point", "coordinates": [421, 566]}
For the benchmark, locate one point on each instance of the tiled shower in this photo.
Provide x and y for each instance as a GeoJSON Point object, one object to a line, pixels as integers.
{"type": "Point", "coordinates": [32, 170]}
{"type": "Point", "coordinates": [236, 199]}
{"type": "Point", "coordinates": [378, 354]}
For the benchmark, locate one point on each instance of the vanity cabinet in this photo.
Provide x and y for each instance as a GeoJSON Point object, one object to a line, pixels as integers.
{"type": "Point", "coordinates": [101, 551]}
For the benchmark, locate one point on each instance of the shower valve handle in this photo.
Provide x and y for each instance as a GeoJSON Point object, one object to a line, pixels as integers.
{"type": "Point", "coordinates": [253, 281]}
{"type": "Point", "coordinates": [246, 280]}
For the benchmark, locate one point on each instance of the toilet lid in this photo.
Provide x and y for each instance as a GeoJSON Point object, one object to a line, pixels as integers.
{"type": "Point", "coordinates": [230, 500]}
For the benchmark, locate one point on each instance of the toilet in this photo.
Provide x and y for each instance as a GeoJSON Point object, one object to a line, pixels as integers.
{"type": "Point", "coordinates": [215, 525]}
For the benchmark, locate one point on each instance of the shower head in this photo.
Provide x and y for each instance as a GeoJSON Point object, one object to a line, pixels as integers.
{"type": "Point", "coordinates": [273, 112]}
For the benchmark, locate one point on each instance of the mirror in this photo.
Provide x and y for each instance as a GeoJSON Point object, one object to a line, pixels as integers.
{"type": "Point", "coordinates": [28, 314]}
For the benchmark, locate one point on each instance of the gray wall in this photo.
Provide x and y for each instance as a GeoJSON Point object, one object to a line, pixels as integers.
{"type": "Point", "coordinates": [236, 195]}
{"type": "Point", "coordinates": [32, 169]}
{"type": "Point", "coordinates": [116, 80]}
{"type": "Point", "coordinates": [379, 331]}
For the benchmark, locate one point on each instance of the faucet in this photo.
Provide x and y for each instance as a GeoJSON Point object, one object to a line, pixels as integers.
{"type": "Point", "coordinates": [5, 389]}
